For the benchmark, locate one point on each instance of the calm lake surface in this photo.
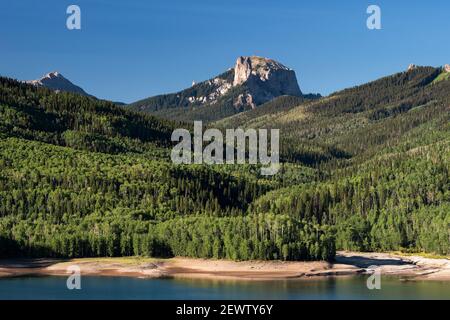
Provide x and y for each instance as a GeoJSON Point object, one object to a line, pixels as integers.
{"type": "Point", "coordinates": [54, 287]}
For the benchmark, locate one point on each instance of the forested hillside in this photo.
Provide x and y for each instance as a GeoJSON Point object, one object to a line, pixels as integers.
{"type": "Point", "coordinates": [388, 185]}
{"type": "Point", "coordinates": [356, 122]}
{"type": "Point", "coordinates": [74, 120]}
{"type": "Point", "coordinates": [364, 169]}
{"type": "Point", "coordinates": [203, 101]}
{"type": "Point", "coordinates": [181, 99]}
{"type": "Point", "coordinates": [82, 177]}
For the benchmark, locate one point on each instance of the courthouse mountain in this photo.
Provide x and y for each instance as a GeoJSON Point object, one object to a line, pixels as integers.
{"type": "Point", "coordinates": [252, 82]}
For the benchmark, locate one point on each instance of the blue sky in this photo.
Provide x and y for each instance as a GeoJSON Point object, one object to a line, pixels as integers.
{"type": "Point", "coordinates": [128, 50]}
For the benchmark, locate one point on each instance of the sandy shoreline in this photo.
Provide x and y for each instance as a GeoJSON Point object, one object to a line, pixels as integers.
{"type": "Point", "coordinates": [347, 263]}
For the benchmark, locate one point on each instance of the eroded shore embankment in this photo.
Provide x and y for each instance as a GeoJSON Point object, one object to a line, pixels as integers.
{"type": "Point", "coordinates": [346, 263]}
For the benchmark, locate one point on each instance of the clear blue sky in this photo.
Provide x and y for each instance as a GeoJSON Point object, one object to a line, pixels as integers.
{"type": "Point", "coordinates": [127, 50]}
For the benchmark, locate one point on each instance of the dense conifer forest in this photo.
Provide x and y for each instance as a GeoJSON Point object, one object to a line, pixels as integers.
{"type": "Point", "coordinates": [364, 169]}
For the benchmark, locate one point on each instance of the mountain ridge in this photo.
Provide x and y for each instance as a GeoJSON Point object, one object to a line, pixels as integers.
{"type": "Point", "coordinates": [56, 81]}
{"type": "Point", "coordinates": [252, 82]}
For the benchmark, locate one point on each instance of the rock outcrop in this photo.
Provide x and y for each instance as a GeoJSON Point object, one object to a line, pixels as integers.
{"type": "Point", "coordinates": [412, 67]}
{"type": "Point", "coordinates": [447, 68]}
{"type": "Point", "coordinates": [265, 78]}
{"type": "Point", "coordinates": [56, 81]}
{"type": "Point", "coordinates": [244, 100]}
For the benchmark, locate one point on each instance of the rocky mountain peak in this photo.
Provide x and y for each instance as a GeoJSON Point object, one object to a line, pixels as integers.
{"type": "Point", "coordinates": [265, 78]}
{"type": "Point", "coordinates": [54, 74]}
{"type": "Point", "coordinates": [447, 68]}
{"type": "Point", "coordinates": [255, 66]}
{"type": "Point", "coordinates": [56, 81]}
{"type": "Point", "coordinates": [253, 81]}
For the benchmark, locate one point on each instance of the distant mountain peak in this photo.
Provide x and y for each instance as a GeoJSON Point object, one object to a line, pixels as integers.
{"type": "Point", "coordinates": [266, 78]}
{"type": "Point", "coordinates": [56, 81]}
{"type": "Point", "coordinates": [447, 68]}
{"type": "Point", "coordinates": [251, 82]}
{"type": "Point", "coordinates": [54, 74]}
{"type": "Point", "coordinates": [48, 76]}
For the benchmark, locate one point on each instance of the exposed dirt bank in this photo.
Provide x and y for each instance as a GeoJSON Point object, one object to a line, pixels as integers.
{"type": "Point", "coordinates": [347, 263]}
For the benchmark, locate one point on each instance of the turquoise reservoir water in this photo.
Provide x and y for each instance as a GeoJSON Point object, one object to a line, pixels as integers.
{"type": "Point", "coordinates": [54, 287]}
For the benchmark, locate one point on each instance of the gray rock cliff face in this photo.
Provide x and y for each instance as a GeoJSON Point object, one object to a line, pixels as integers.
{"type": "Point", "coordinates": [265, 78]}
